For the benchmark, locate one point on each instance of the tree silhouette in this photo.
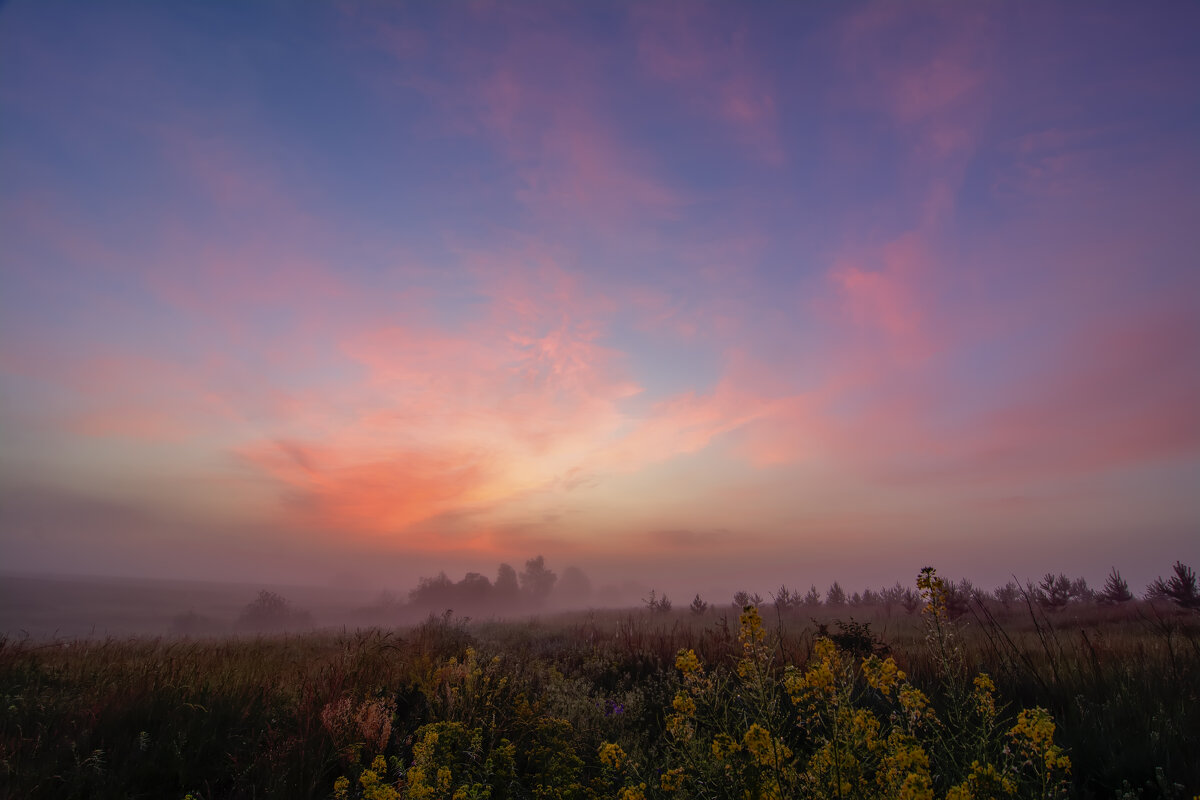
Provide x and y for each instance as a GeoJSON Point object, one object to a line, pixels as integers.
{"type": "Point", "coordinates": [656, 604]}
{"type": "Point", "coordinates": [506, 588]}
{"type": "Point", "coordinates": [1008, 594]}
{"type": "Point", "coordinates": [270, 612]}
{"type": "Point", "coordinates": [474, 591]}
{"type": "Point", "coordinates": [536, 580]}
{"type": "Point", "coordinates": [785, 598]}
{"type": "Point", "coordinates": [1116, 589]}
{"type": "Point", "coordinates": [1180, 587]}
{"type": "Point", "coordinates": [436, 592]}
{"type": "Point", "coordinates": [1053, 591]}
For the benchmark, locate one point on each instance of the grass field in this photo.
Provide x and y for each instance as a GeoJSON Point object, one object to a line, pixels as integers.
{"type": "Point", "coordinates": [600, 704]}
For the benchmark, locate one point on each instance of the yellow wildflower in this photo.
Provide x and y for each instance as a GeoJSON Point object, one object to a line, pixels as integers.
{"type": "Point", "coordinates": [724, 745]}
{"type": "Point", "coordinates": [758, 742]}
{"type": "Point", "coordinates": [1034, 734]}
{"type": "Point", "coordinates": [684, 704]}
{"type": "Point", "coordinates": [882, 674]}
{"type": "Point", "coordinates": [933, 592]}
{"type": "Point", "coordinates": [611, 755]}
{"type": "Point", "coordinates": [984, 781]}
{"type": "Point", "coordinates": [1036, 725]}
{"type": "Point", "coordinates": [751, 630]}
{"type": "Point", "coordinates": [985, 701]}
{"type": "Point", "coordinates": [633, 792]}
{"type": "Point", "coordinates": [672, 780]}
{"type": "Point", "coordinates": [688, 663]}
{"type": "Point", "coordinates": [914, 702]}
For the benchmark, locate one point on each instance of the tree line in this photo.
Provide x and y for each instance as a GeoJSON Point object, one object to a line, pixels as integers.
{"type": "Point", "coordinates": [1051, 593]}
{"type": "Point", "coordinates": [536, 587]}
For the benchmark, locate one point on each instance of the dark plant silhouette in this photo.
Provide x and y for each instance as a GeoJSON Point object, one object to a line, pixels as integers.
{"type": "Point", "coordinates": [698, 606]}
{"type": "Point", "coordinates": [855, 638]}
{"type": "Point", "coordinates": [1053, 591]}
{"type": "Point", "coordinates": [785, 599]}
{"type": "Point", "coordinates": [1008, 594]}
{"type": "Point", "coordinates": [1081, 592]}
{"type": "Point", "coordinates": [958, 597]}
{"type": "Point", "coordinates": [656, 604]}
{"type": "Point", "coordinates": [537, 580]}
{"type": "Point", "coordinates": [1179, 588]}
{"type": "Point", "coordinates": [742, 599]}
{"type": "Point", "coordinates": [272, 613]}
{"type": "Point", "coordinates": [506, 587]}
{"type": "Point", "coordinates": [1116, 590]}
{"type": "Point", "coordinates": [437, 592]}
{"type": "Point", "coordinates": [836, 596]}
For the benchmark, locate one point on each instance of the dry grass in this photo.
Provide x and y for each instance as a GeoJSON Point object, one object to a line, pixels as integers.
{"type": "Point", "coordinates": [232, 718]}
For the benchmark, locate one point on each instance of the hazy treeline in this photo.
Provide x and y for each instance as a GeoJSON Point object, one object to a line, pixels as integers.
{"type": "Point", "coordinates": [534, 587]}
{"type": "Point", "coordinates": [511, 593]}
{"type": "Point", "coordinates": [1051, 593]}
{"type": "Point", "coordinates": [537, 588]}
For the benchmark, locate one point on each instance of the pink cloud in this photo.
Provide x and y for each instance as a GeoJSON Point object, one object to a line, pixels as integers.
{"type": "Point", "coordinates": [1130, 396]}
{"type": "Point", "coordinates": [917, 66]}
{"type": "Point", "coordinates": [882, 293]}
{"type": "Point", "coordinates": [523, 396]}
{"type": "Point", "coordinates": [683, 424]}
{"type": "Point", "coordinates": [1116, 394]}
{"type": "Point", "coordinates": [332, 486]}
{"type": "Point", "coordinates": [710, 61]}
{"type": "Point", "coordinates": [542, 101]}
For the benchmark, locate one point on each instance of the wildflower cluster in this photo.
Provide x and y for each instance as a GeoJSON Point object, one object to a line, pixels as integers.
{"type": "Point", "coordinates": [373, 781]}
{"type": "Point", "coordinates": [847, 725]}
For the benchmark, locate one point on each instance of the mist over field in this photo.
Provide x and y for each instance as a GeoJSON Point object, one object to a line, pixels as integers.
{"type": "Point", "coordinates": [656, 400]}
{"type": "Point", "coordinates": [60, 608]}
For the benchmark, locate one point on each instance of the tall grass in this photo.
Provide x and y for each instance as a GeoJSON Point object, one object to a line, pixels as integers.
{"type": "Point", "coordinates": [251, 718]}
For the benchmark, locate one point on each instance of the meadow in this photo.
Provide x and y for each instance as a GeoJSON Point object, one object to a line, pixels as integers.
{"type": "Point", "coordinates": [947, 698]}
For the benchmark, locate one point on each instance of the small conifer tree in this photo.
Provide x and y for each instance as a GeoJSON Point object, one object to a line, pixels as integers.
{"type": "Point", "coordinates": [1116, 590]}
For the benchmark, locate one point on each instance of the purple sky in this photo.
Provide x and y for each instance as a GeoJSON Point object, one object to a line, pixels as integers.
{"type": "Point", "coordinates": [703, 293]}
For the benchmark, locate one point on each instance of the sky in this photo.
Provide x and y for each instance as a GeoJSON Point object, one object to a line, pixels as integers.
{"type": "Point", "coordinates": [701, 294]}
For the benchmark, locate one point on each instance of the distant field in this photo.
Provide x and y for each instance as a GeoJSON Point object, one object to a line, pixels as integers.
{"type": "Point", "coordinates": [535, 708]}
{"type": "Point", "coordinates": [74, 607]}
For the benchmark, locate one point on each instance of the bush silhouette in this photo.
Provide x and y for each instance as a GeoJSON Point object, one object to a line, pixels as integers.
{"type": "Point", "coordinates": [272, 613]}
